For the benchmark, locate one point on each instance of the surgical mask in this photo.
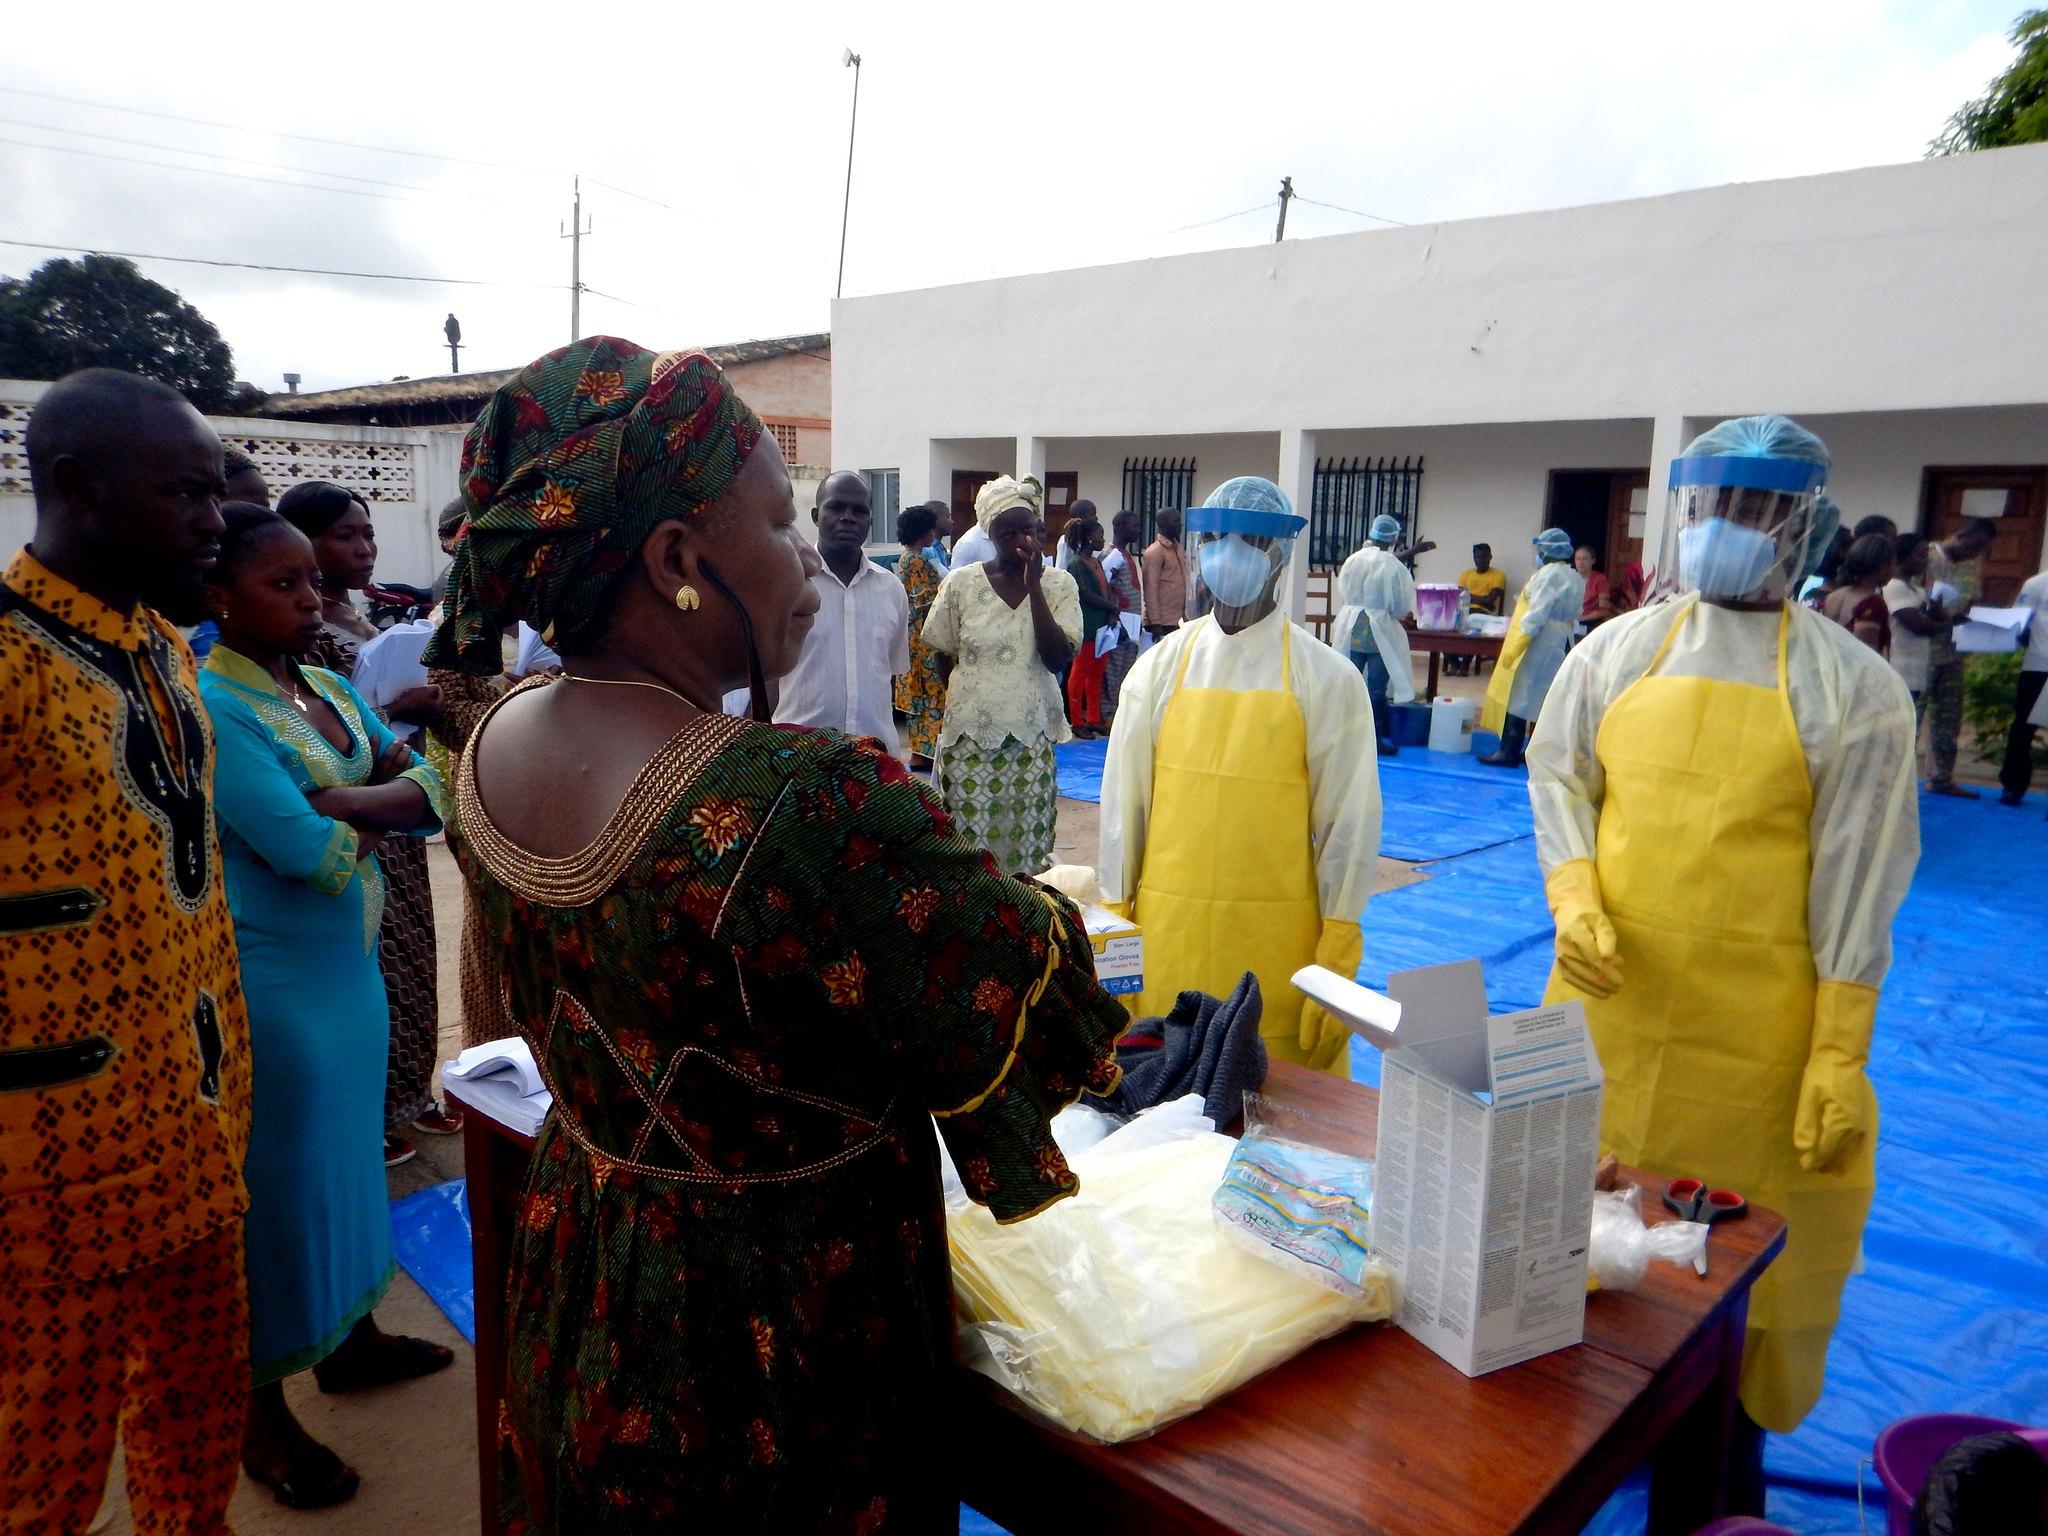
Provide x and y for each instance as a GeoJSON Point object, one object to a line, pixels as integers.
{"type": "Point", "coordinates": [1724, 559]}
{"type": "Point", "coordinates": [1235, 573]}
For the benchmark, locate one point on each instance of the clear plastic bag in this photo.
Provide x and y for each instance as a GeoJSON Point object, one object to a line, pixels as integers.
{"type": "Point", "coordinates": [1297, 1192]}
{"type": "Point", "coordinates": [1623, 1245]}
{"type": "Point", "coordinates": [1126, 1307]}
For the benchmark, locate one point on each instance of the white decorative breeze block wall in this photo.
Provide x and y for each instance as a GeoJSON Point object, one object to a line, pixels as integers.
{"type": "Point", "coordinates": [404, 475]}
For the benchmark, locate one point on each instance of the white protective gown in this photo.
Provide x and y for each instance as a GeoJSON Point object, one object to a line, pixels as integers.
{"type": "Point", "coordinates": [1343, 769]}
{"type": "Point", "coordinates": [1375, 587]}
{"type": "Point", "coordinates": [1552, 601]}
{"type": "Point", "coordinates": [1855, 723]}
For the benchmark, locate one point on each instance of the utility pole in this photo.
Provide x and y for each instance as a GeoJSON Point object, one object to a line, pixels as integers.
{"type": "Point", "coordinates": [1286, 196]}
{"type": "Point", "coordinates": [850, 61]}
{"type": "Point", "coordinates": [574, 235]}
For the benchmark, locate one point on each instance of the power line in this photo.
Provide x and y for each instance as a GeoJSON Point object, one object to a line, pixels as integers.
{"type": "Point", "coordinates": [629, 192]}
{"type": "Point", "coordinates": [204, 170]}
{"type": "Point", "coordinates": [257, 266]}
{"type": "Point", "coordinates": [599, 293]}
{"type": "Point", "coordinates": [1357, 212]}
{"type": "Point", "coordinates": [308, 138]}
{"type": "Point", "coordinates": [303, 138]}
{"type": "Point", "coordinates": [272, 165]}
{"type": "Point", "coordinates": [1260, 208]}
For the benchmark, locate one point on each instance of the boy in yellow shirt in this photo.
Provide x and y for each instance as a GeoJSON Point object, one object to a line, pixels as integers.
{"type": "Point", "coordinates": [1488, 590]}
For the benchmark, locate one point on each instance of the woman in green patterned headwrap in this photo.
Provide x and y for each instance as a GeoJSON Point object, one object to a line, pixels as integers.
{"type": "Point", "coordinates": [752, 961]}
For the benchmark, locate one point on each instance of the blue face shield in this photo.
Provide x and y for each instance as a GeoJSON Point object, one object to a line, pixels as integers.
{"type": "Point", "coordinates": [1235, 573]}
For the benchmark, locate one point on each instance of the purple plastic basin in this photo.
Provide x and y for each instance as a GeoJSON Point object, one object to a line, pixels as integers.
{"type": "Point", "coordinates": [1907, 1451]}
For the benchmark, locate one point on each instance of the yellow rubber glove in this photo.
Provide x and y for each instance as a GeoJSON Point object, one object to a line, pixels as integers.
{"type": "Point", "coordinates": [1837, 1107]}
{"type": "Point", "coordinates": [1587, 948]}
{"type": "Point", "coordinates": [1324, 1037]}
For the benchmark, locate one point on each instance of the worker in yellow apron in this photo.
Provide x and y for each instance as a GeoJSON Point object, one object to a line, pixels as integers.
{"type": "Point", "coordinates": [1539, 632]}
{"type": "Point", "coordinates": [1723, 788]}
{"type": "Point", "coordinates": [1240, 793]}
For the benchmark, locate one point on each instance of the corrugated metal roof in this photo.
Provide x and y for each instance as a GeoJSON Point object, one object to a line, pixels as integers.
{"type": "Point", "coordinates": [466, 388]}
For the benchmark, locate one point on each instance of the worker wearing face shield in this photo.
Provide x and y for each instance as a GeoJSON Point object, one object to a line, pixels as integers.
{"type": "Point", "coordinates": [1375, 592]}
{"type": "Point", "coordinates": [1723, 791]}
{"type": "Point", "coordinates": [1538, 633]}
{"type": "Point", "coordinates": [1240, 804]}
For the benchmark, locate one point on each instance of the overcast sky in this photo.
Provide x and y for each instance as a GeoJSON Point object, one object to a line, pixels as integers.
{"type": "Point", "coordinates": [993, 139]}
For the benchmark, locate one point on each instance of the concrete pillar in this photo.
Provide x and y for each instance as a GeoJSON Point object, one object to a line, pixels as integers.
{"type": "Point", "coordinates": [1031, 458]}
{"type": "Point", "coordinates": [1297, 479]}
{"type": "Point", "coordinates": [1670, 431]}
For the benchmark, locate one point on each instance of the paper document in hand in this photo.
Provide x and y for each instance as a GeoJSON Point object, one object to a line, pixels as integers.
{"type": "Point", "coordinates": [390, 663]}
{"type": "Point", "coordinates": [1992, 631]}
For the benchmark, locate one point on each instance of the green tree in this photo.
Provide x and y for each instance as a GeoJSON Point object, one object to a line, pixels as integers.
{"type": "Point", "coordinates": [2014, 108]}
{"type": "Point", "coordinates": [100, 311]}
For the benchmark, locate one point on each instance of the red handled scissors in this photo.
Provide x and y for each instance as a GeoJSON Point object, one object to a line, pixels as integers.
{"type": "Point", "coordinates": [1693, 1201]}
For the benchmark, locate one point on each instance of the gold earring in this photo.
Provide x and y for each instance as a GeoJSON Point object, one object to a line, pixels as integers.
{"type": "Point", "coordinates": [686, 598]}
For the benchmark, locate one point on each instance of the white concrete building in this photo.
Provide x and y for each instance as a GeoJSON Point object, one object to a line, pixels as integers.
{"type": "Point", "coordinates": [1543, 367]}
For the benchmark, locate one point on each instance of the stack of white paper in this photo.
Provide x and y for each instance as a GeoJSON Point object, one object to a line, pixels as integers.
{"type": "Point", "coordinates": [499, 1079]}
{"type": "Point", "coordinates": [1993, 631]}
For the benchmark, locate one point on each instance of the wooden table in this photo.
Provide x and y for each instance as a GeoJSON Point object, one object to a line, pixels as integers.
{"type": "Point", "coordinates": [1365, 1433]}
{"type": "Point", "coordinates": [1440, 643]}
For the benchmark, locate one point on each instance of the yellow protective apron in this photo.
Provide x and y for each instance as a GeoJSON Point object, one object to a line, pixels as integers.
{"type": "Point", "coordinates": [1493, 714]}
{"type": "Point", "coordinates": [1229, 883]}
{"type": "Point", "coordinates": [1704, 856]}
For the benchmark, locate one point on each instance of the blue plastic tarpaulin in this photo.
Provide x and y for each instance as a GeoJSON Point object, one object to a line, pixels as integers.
{"type": "Point", "coordinates": [430, 1237]}
{"type": "Point", "coordinates": [1436, 804]}
{"type": "Point", "coordinates": [1078, 767]}
{"type": "Point", "coordinates": [1957, 1241]}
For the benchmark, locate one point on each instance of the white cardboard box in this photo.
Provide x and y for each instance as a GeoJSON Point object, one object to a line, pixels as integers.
{"type": "Point", "coordinates": [1119, 948]}
{"type": "Point", "coordinates": [1483, 1183]}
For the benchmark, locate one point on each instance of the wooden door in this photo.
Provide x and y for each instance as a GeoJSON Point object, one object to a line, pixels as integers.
{"type": "Point", "coordinates": [966, 482]}
{"type": "Point", "coordinates": [1062, 490]}
{"type": "Point", "coordinates": [2013, 496]}
{"type": "Point", "coordinates": [1628, 509]}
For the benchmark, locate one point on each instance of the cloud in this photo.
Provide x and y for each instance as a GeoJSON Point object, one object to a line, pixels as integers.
{"type": "Point", "coordinates": [990, 141]}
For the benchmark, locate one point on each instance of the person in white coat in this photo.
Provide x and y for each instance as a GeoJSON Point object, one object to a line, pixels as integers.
{"type": "Point", "coordinates": [1240, 804]}
{"type": "Point", "coordinates": [1538, 635]}
{"type": "Point", "coordinates": [1375, 592]}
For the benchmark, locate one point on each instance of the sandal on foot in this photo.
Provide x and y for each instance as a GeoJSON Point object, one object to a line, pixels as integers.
{"type": "Point", "coordinates": [439, 1122]}
{"type": "Point", "coordinates": [400, 1358]}
{"type": "Point", "coordinates": [314, 1479]}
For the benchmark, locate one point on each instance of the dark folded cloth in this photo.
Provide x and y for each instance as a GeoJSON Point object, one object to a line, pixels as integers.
{"type": "Point", "coordinates": [1207, 1045]}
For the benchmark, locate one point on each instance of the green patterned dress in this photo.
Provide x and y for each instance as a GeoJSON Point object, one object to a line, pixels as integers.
{"type": "Point", "coordinates": [730, 1307]}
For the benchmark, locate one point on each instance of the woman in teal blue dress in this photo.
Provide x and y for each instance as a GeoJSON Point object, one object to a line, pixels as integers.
{"type": "Point", "coordinates": [307, 783]}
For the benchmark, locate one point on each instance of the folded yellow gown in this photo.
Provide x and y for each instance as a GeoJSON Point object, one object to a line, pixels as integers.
{"type": "Point", "coordinates": [1128, 1305]}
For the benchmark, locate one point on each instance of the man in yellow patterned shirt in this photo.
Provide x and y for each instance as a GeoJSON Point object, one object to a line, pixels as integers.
{"type": "Point", "coordinates": [124, 1054]}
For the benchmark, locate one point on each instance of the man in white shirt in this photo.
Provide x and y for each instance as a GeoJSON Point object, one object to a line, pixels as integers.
{"type": "Point", "coordinates": [974, 547]}
{"type": "Point", "coordinates": [861, 641]}
{"type": "Point", "coordinates": [2018, 769]}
